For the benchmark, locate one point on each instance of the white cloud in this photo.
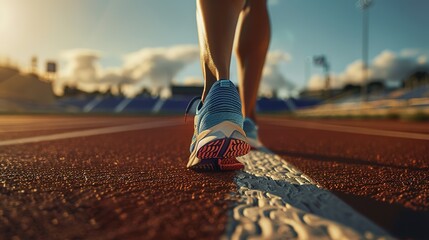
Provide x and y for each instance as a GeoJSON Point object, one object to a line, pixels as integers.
{"type": "Point", "coordinates": [151, 68]}
{"type": "Point", "coordinates": [193, 81]}
{"type": "Point", "coordinates": [82, 65]}
{"type": "Point", "coordinates": [422, 60]}
{"type": "Point", "coordinates": [387, 66]}
{"type": "Point", "coordinates": [272, 78]}
{"type": "Point", "coordinates": [82, 70]}
{"type": "Point", "coordinates": [155, 68]}
{"type": "Point", "coordinates": [409, 52]}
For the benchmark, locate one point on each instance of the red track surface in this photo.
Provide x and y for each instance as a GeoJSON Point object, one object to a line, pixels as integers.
{"type": "Point", "coordinates": [134, 184]}
{"type": "Point", "coordinates": [385, 178]}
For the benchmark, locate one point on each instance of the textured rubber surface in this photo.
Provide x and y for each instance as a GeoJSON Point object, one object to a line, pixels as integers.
{"type": "Point", "coordinates": [284, 203]}
{"type": "Point", "coordinates": [218, 164]}
{"type": "Point", "coordinates": [134, 185]}
{"type": "Point", "coordinates": [384, 178]}
{"type": "Point", "coordinates": [225, 140]}
{"type": "Point", "coordinates": [128, 185]}
{"type": "Point", "coordinates": [224, 148]}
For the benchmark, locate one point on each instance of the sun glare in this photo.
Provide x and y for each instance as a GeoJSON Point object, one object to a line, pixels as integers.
{"type": "Point", "coordinates": [5, 15]}
{"type": "Point", "coordinates": [7, 26]}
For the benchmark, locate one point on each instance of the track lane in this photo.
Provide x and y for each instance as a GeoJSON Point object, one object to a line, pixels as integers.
{"type": "Point", "coordinates": [64, 179]}
{"type": "Point", "coordinates": [379, 176]}
{"type": "Point", "coordinates": [120, 185]}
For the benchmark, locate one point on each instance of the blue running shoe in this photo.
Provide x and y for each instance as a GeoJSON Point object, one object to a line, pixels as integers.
{"type": "Point", "coordinates": [218, 130]}
{"type": "Point", "coordinates": [251, 130]}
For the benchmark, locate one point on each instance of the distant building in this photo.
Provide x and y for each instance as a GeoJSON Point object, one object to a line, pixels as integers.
{"type": "Point", "coordinates": [373, 87]}
{"type": "Point", "coordinates": [321, 94]}
{"type": "Point", "coordinates": [34, 65]}
{"type": "Point", "coordinates": [376, 86]}
{"type": "Point", "coordinates": [417, 79]}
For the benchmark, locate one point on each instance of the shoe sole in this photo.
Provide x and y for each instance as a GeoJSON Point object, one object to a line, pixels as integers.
{"type": "Point", "coordinates": [213, 164]}
{"type": "Point", "coordinates": [224, 148]}
{"type": "Point", "coordinates": [223, 143]}
{"type": "Point", "coordinates": [225, 140]}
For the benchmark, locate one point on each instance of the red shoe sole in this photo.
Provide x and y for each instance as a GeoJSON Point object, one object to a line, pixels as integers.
{"type": "Point", "coordinates": [223, 148]}
{"type": "Point", "coordinates": [213, 164]}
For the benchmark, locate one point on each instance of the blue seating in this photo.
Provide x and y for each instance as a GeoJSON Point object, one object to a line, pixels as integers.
{"type": "Point", "coordinates": [141, 104]}
{"type": "Point", "coordinates": [176, 105]}
{"type": "Point", "coordinates": [303, 103]}
{"type": "Point", "coordinates": [419, 92]}
{"type": "Point", "coordinates": [78, 102]}
{"type": "Point", "coordinates": [272, 105]}
{"type": "Point", "coordinates": [107, 104]}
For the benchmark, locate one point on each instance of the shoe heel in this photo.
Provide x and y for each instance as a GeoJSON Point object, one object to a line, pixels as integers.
{"type": "Point", "coordinates": [229, 164]}
{"type": "Point", "coordinates": [215, 165]}
{"type": "Point", "coordinates": [225, 140]}
{"type": "Point", "coordinates": [236, 148]}
{"type": "Point", "coordinates": [212, 149]}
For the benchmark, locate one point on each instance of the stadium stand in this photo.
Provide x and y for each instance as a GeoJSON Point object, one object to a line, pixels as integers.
{"type": "Point", "coordinates": [419, 92]}
{"type": "Point", "coordinates": [108, 104]}
{"type": "Point", "coordinates": [175, 105]}
{"type": "Point", "coordinates": [272, 105]}
{"type": "Point", "coordinates": [140, 104]}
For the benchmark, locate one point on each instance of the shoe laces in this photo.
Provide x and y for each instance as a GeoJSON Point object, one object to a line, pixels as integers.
{"type": "Point", "coordinates": [188, 108]}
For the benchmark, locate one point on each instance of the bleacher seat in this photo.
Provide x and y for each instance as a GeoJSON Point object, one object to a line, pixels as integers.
{"type": "Point", "coordinates": [419, 92]}
{"type": "Point", "coordinates": [304, 103]}
{"type": "Point", "coordinates": [175, 105]}
{"type": "Point", "coordinates": [141, 104]}
{"type": "Point", "coordinates": [272, 105]}
{"type": "Point", "coordinates": [78, 103]}
{"type": "Point", "coordinates": [108, 104]}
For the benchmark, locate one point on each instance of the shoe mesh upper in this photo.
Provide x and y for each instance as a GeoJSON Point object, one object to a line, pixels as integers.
{"type": "Point", "coordinates": [221, 104]}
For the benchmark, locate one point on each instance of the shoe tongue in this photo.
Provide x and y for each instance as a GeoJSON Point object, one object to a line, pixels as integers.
{"type": "Point", "coordinates": [224, 83]}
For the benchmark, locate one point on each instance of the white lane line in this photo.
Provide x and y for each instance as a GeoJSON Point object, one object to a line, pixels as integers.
{"type": "Point", "coordinates": [158, 105]}
{"type": "Point", "coordinates": [347, 129]}
{"type": "Point", "coordinates": [277, 201]}
{"type": "Point", "coordinates": [91, 105]}
{"type": "Point", "coordinates": [46, 126]}
{"type": "Point", "coordinates": [123, 104]}
{"type": "Point", "coordinates": [92, 132]}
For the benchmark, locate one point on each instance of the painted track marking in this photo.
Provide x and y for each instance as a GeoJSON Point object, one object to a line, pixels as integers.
{"type": "Point", "coordinates": [347, 129]}
{"type": "Point", "coordinates": [92, 132]}
{"type": "Point", "coordinates": [29, 127]}
{"type": "Point", "coordinates": [277, 201]}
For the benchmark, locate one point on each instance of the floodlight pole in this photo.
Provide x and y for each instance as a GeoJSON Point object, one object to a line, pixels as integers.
{"type": "Point", "coordinates": [364, 6]}
{"type": "Point", "coordinates": [323, 62]}
{"type": "Point", "coordinates": [307, 70]}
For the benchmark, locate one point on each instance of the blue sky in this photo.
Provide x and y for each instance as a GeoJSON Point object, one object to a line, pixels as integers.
{"type": "Point", "coordinates": [303, 28]}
